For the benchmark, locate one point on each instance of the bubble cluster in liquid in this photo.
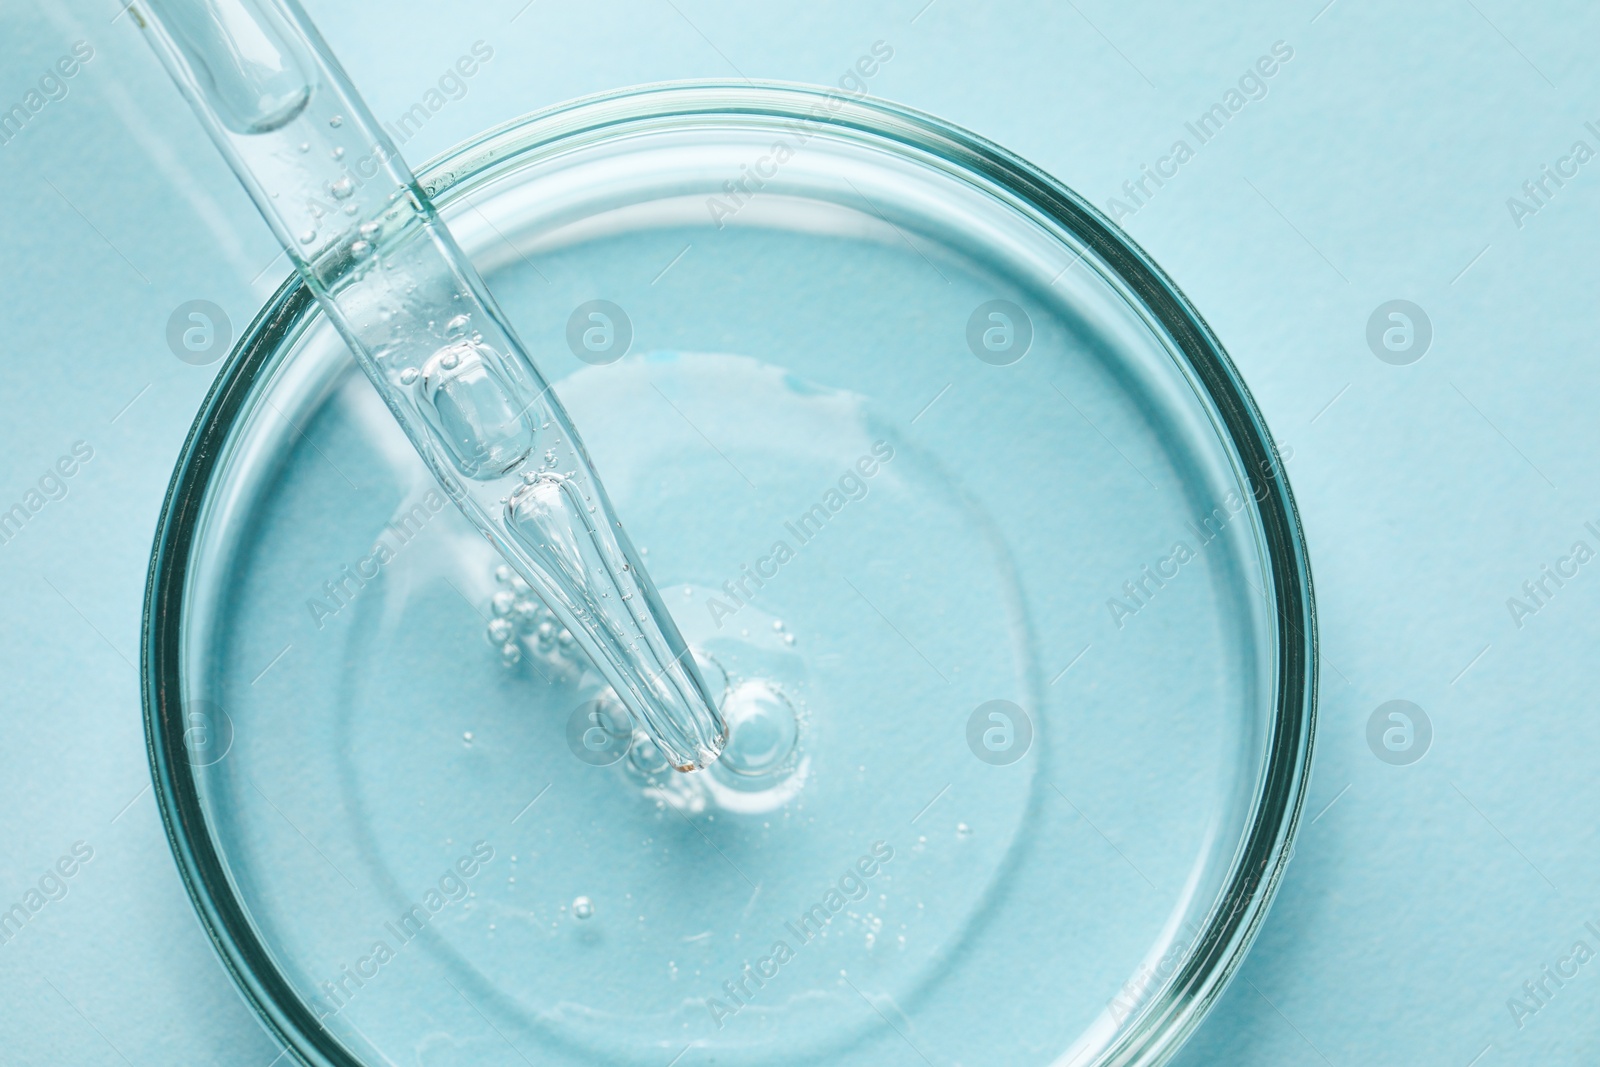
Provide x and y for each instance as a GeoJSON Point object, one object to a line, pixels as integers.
{"type": "Point", "coordinates": [519, 623]}
{"type": "Point", "coordinates": [764, 751]}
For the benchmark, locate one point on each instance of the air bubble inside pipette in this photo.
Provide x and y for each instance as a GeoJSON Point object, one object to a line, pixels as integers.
{"type": "Point", "coordinates": [472, 409]}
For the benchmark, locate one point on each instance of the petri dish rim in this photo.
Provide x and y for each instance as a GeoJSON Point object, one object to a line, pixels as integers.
{"type": "Point", "coordinates": [1266, 843]}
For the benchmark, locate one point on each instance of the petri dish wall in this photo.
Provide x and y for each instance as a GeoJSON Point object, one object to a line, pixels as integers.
{"type": "Point", "coordinates": [958, 502]}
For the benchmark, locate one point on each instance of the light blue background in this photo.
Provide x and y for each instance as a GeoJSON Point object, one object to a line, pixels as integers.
{"type": "Point", "coordinates": [1378, 167]}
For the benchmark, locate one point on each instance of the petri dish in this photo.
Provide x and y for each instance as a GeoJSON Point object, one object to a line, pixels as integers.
{"type": "Point", "coordinates": [963, 509]}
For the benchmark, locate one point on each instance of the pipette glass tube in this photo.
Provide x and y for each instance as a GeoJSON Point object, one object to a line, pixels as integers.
{"type": "Point", "coordinates": [429, 335]}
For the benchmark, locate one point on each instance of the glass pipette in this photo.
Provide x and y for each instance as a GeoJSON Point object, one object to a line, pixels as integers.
{"type": "Point", "coordinates": [427, 332]}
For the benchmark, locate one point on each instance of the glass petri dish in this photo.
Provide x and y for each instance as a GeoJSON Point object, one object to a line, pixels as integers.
{"type": "Point", "coordinates": [961, 506]}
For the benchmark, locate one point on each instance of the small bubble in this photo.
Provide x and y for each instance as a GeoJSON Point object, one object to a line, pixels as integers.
{"type": "Point", "coordinates": [408, 376]}
{"type": "Point", "coordinates": [519, 586]}
{"type": "Point", "coordinates": [305, 146]}
{"type": "Point", "coordinates": [583, 908]}
{"type": "Point", "coordinates": [467, 737]}
{"type": "Point", "coordinates": [645, 758]}
{"type": "Point", "coordinates": [450, 360]}
{"type": "Point", "coordinates": [360, 248]}
{"type": "Point", "coordinates": [307, 237]}
{"type": "Point", "coordinates": [342, 188]}
{"type": "Point", "coordinates": [501, 602]}
{"type": "Point", "coordinates": [367, 229]}
{"type": "Point", "coordinates": [564, 638]}
{"type": "Point", "coordinates": [777, 624]}
{"type": "Point", "coordinates": [457, 325]}
{"type": "Point", "coordinates": [336, 121]}
{"type": "Point", "coordinates": [963, 829]}
{"type": "Point", "coordinates": [510, 653]}
{"type": "Point", "coordinates": [502, 573]}
{"type": "Point", "coordinates": [501, 631]}
{"type": "Point", "coordinates": [338, 153]}
{"type": "Point", "coordinates": [788, 639]}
